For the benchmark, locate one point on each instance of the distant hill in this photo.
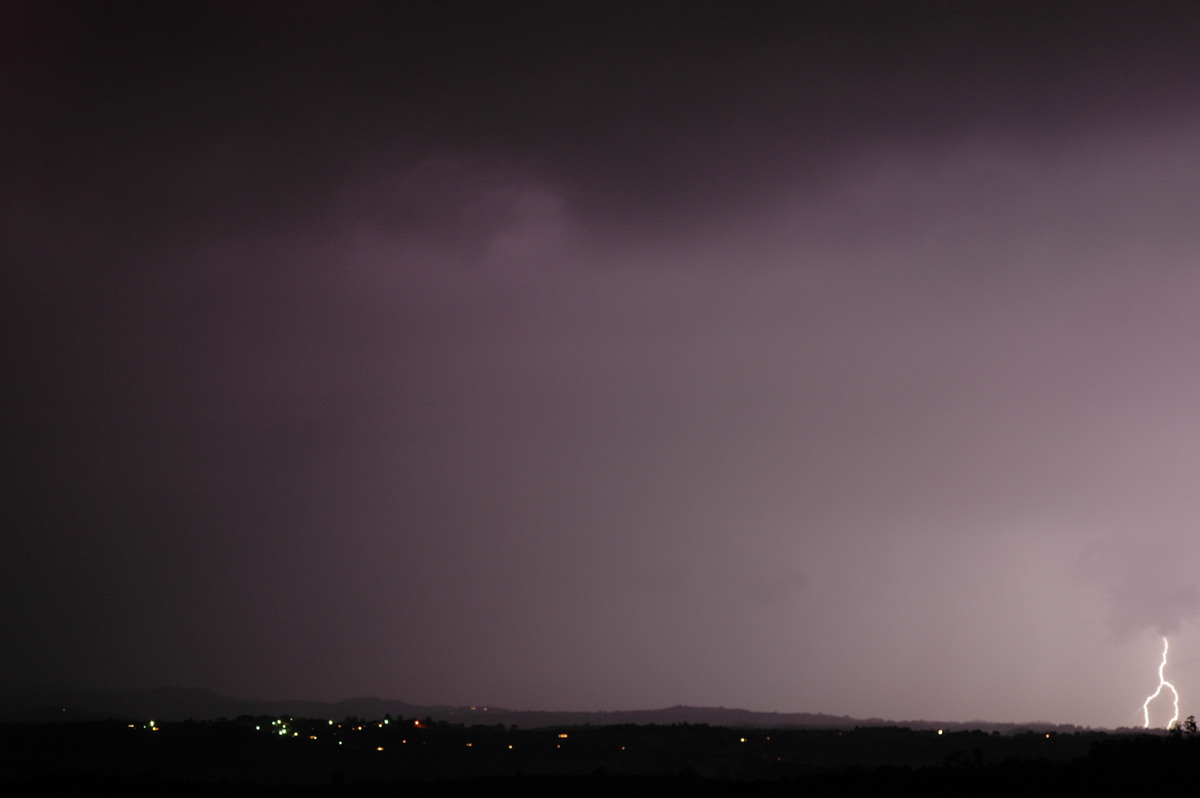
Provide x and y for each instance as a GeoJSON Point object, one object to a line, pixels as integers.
{"type": "Point", "coordinates": [49, 705]}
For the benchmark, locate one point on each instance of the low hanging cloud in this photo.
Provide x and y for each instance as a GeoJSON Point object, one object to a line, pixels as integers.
{"type": "Point", "coordinates": [1147, 586]}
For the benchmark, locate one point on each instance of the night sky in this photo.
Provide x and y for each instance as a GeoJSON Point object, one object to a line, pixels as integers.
{"type": "Point", "coordinates": [842, 358]}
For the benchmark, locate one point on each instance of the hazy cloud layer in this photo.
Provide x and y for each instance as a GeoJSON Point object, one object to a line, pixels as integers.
{"type": "Point", "coordinates": [832, 360]}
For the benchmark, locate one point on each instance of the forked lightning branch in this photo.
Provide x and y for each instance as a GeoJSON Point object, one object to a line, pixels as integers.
{"type": "Point", "coordinates": [1162, 683]}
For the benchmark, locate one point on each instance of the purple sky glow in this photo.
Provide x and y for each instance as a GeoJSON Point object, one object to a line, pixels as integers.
{"type": "Point", "coordinates": [838, 359]}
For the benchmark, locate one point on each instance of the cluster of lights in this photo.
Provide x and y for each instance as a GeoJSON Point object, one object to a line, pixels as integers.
{"type": "Point", "coordinates": [282, 728]}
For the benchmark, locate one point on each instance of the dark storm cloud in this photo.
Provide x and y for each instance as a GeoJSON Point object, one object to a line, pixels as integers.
{"type": "Point", "coordinates": [161, 124]}
{"type": "Point", "coordinates": [791, 358]}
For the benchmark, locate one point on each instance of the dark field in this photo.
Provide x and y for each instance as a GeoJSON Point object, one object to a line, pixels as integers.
{"type": "Point", "coordinates": [418, 757]}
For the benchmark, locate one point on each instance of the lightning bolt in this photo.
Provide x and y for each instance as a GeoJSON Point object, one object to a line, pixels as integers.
{"type": "Point", "coordinates": [1162, 682]}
